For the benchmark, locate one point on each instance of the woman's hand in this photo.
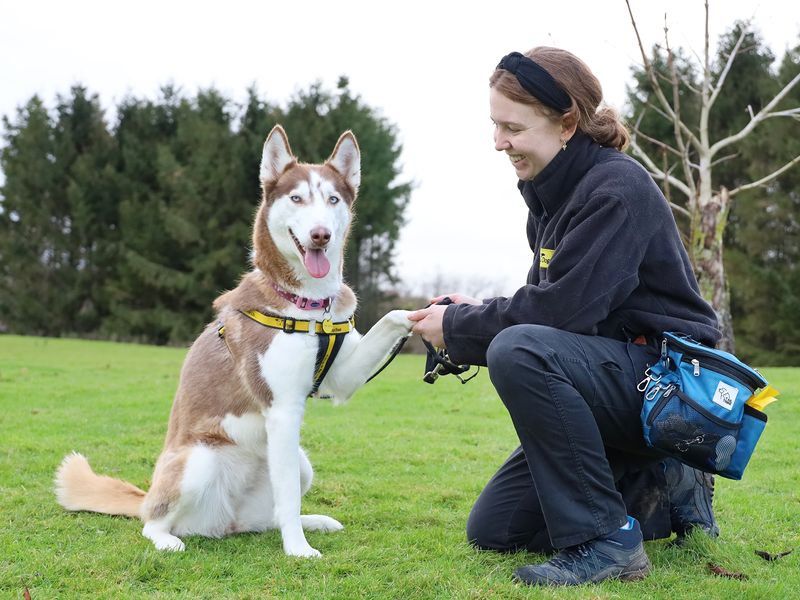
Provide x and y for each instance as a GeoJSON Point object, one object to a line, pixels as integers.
{"type": "Point", "coordinates": [429, 320]}
{"type": "Point", "coordinates": [429, 324]}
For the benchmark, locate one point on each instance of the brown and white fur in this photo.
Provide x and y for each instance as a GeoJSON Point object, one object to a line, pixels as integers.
{"type": "Point", "coordinates": [232, 460]}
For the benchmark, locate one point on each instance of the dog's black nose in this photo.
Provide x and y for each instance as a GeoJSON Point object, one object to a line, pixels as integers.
{"type": "Point", "coordinates": [320, 236]}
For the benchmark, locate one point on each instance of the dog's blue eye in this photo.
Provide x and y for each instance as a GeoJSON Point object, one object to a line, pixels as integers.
{"type": "Point", "coordinates": [295, 198]}
{"type": "Point", "coordinates": [333, 199]}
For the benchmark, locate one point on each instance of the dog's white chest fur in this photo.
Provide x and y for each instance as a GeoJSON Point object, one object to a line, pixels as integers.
{"type": "Point", "coordinates": [288, 366]}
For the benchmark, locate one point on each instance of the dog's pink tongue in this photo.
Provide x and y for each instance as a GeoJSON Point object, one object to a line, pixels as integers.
{"type": "Point", "coordinates": [317, 263]}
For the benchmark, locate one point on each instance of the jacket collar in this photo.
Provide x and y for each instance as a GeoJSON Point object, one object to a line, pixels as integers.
{"type": "Point", "coordinates": [548, 191]}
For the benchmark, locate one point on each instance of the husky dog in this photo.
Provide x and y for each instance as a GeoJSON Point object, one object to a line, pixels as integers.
{"type": "Point", "coordinates": [232, 460]}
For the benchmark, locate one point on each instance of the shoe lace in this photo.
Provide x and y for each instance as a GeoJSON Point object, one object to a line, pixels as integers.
{"type": "Point", "coordinates": [580, 559]}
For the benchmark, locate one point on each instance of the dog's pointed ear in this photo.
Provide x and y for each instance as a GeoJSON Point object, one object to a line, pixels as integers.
{"type": "Point", "coordinates": [346, 159]}
{"type": "Point", "coordinates": [276, 155]}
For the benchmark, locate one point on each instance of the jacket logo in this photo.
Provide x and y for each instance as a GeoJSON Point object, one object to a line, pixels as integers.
{"type": "Point", "coordinates": [545, 255]}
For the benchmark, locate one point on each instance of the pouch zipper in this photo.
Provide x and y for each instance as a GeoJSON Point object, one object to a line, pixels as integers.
{"type": "Point", "coordinates": [724, 367]}
{"type": "Point", "coordinates": [741, 374]}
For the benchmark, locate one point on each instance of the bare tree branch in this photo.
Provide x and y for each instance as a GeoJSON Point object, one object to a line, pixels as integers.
{"type": "Point", "coordinates": [769, 177]}
{"type": "Point", "coordinates": [792, 112]}
{"type": "Point", "coordinates": [680, 209]}
{"type": "Point", "coordinates": [689, 85]}
{"type": "Point", "coordinates": [683, 79]}
{"type": "Point", "coordinates": [640, 134]}
{"type": "Point", "coordinates": [728, 65]}
{"type": "Point", "coordinates": [704, 103]}
{"type": "Point", "coordinates": [658, 173]}
{"type": "Point", "coordinates": [675, 207]}
{"type": "Point", "coordinates": [760, 116]}
{"type": "Point", "coordinates": [647, 104]}
{"type": "Point", "coordinates": [676, 103]}
{"type": "Point", "coordinates": [660, 112]}
{"type": "Point", "coordinates": [650, 70]}
{"type": "Point", "coordinates": [723, 159]}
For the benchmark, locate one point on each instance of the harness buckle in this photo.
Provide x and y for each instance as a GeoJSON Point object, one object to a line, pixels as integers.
{"type": "Point", "coordinates": [312, 327]}
{"type": "Point", "coordinates": [289, 325]}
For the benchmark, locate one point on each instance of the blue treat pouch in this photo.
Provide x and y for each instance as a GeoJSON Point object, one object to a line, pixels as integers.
{"type": "Point", "coordinates": [699, 406]}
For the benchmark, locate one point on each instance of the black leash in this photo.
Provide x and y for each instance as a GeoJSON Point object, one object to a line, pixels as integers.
{"type": "Point", "coordinates": [437, 362]}
{"type": "Point", "coordinates": [395, 351]}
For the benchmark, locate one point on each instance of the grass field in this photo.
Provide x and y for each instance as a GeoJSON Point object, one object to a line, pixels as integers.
{"type": "Point", "coordinates": [399, 466]}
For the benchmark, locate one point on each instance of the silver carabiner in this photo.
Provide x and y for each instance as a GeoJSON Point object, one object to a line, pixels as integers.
{"type": "Point", "coordinates": [648, 376]}
{"type": "Point", "coordinates": [653, 392]}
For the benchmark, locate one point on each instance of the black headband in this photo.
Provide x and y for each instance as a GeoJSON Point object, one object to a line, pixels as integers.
{"type": "Point", "coordinates": [536, 81]}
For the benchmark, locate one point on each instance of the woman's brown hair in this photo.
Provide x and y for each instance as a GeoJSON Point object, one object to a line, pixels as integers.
{"type": "Point", "coordinates": [601, 123]}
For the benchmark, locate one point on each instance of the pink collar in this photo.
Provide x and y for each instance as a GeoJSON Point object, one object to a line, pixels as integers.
{"type": "Point", "coordinates": [302, 301]}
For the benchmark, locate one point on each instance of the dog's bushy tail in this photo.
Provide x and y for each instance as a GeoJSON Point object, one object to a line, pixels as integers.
{"type": "Point", "coordinates": [80, 488]}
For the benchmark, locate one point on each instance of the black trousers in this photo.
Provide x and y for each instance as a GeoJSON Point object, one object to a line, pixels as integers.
{"type": "Point", "coordinates": [575, 407]}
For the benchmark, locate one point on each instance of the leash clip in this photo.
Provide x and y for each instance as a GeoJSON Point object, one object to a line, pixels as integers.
{"type": "Point", "coordinates": [433, 374]}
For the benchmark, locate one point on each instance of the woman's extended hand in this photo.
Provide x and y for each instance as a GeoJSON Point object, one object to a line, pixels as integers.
{"type": "Point", "coordinates": [429, 324]}
{"type": "Point", "coordinates": [429, 320]}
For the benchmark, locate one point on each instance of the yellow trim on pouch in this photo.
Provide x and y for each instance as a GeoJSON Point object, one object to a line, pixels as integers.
{"type": "Point", "coordinates": [545, 256]}
{"type": "Point", "coordinates": [764, 398]}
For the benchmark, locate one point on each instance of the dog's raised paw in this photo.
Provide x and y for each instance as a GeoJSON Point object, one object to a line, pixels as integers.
{"type": "Point", "coordinates": [399, 318]}
{"type": "Point", "coordinates": [320, 523]}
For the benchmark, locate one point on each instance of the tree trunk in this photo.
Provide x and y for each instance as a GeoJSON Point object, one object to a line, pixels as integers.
{"type": "Point", "coordinates": [708, 228]}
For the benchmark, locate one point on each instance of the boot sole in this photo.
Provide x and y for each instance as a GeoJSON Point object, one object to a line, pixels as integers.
{"type": "Point", "coordinates": [629, 574]}
{"type": "Point", "coordinates": [639, 570]}
{"type": "Point", "coordinates": [635, 575]}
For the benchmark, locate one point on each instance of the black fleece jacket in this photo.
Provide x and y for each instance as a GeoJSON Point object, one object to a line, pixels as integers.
{"type": "Point", "coordinates": [608, 259]}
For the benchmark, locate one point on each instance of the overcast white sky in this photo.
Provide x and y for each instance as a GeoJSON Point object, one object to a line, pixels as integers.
{"type": "Point", "coordinates": [424, 64]}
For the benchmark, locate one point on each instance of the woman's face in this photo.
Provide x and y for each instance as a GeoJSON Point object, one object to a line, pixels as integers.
{"type": "Point", "coordinates": [529, 139]}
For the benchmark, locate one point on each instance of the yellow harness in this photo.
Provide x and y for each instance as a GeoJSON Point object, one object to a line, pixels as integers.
{"type": "Point", "coordinates": [330, 336]}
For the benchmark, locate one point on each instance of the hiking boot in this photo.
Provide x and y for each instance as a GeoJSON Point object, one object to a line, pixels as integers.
{"type": "Point", "coordinates": [619, 555]}
{"type": "Point", "coordinates": [690, 495]}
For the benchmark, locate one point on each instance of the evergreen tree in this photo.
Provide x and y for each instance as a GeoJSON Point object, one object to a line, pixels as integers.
{"type": "Point", "coordinates": [59, 217]}
{"type": "Point", "coordinates": [185, 223]}
{"type": "Point", "coordinates": [31, 233]}
{"type": "Point", "coordinates": [86, 149]}
{"type": "Point", "coordinates": [143, 134]}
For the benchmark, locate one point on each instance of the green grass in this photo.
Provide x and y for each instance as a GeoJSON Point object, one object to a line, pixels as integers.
{"type": "Point", "coordinates": [399, 465]}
